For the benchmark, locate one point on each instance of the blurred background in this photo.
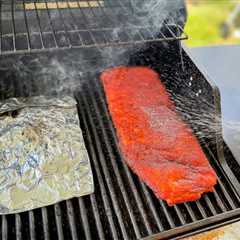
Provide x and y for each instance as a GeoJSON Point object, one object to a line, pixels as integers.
{"type": "Point", "coordinates": [212, 22]}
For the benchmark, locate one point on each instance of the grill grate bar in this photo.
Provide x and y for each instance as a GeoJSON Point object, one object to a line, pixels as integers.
{"type": "Point", "coordinates": [70, 213]}
{"type": "Point", "coordinates": [141, 36]}
{"type": "Point", "coordinates": [137, 198]}
{"type": "Point", "coordinates": [39, 26]}
{"type": "Point", "coordinates": [91, 10]}
{"type": "Point", "coordinates": [226, 194]}
{"type": "Point", "coordinates": [18, 227]}
{"type": "Point", "coordinates": [108, 177]}
{"type": "Point", "coordinates": [223, 188]}
{"type": "Point", "coordinates": [179, 214]}
{"type": "Point", "coordinates": [97, 216]}
{"type": "Point", "coordinates": [80, 44]}
{"type": "Point", "coordinates": [45, 223]}
{"type": "Point", "coordinates": [58, 218]}
{"type": "Point", "coordinates": [32, 225]}
{"type": "Point", "coordinates": [94, 40]}
{"type": "Point", "coordinates": [85, 20]}
{"type": "Point", "coordinates": [152, 207]}
{"type": "Point", "coordinates": [84, 219]}
{"type": "Point", "coordinates": [64, 25]}
{"type": "Point", "coordinates": [13, 26]}
{"type": "Point", "coordinates": [221, 204]}
{"type": "Point", "coordinates": [104, 194]}
{"type": "Point", "coordinates": [209, 203]}
{"type": "Point", "coordinates": [91, 31]}
{"type": "Point", "coordinates": [4, 228]}
{"type": "Point", "coordinates": [190, 212]}
{"type": "Point", "coordinates": [201, 209]}
{"type": "Point", "coordinates": [26, 23]}
{"type": "Point", "coordinates": [51, 25]}
{"type": "Point", "coordinates": [0, 27]}
{"type": "Point", "coordinates": [170, 31]}
{"type": "Point", "coordinates": [74, 20]}
{"type": "Point", "coordinates": [166, 213]}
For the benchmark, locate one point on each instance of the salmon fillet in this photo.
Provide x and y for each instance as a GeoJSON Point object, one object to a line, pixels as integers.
{"type": "Point", "coordinates": [155, 142]}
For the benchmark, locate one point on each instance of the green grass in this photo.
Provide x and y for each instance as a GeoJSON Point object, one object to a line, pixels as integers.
{"type": "Point", "coordinates": [204, 20]}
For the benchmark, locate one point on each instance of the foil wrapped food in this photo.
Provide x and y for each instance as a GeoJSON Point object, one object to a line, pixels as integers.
{"type": "Point", "coordinates": [43, 158]}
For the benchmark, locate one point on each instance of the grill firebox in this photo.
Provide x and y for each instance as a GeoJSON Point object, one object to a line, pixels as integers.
{"type": "Point", "coordinates": [122, 207]}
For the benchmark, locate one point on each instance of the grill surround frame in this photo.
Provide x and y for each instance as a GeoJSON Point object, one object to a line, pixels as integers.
{"type": "Point", "coordinates": [61, 219]}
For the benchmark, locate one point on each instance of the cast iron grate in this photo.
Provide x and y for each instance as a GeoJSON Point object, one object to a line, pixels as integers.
{"type": "Point", "coordinates": [122, 207]}
{"type": "Point", "coordinates": [32, 26]}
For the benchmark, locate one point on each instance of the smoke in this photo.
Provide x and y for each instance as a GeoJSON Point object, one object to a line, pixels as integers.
{"type": "Point", "coordinates": [56, 73]}
{"type": "Point", "coordinates": [155, 12]}
{"type": "Point", "coordinates": [62, 73]}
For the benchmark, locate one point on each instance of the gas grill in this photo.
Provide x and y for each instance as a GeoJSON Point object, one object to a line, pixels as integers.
{"type": "Point", "coordinates": [86, 37]}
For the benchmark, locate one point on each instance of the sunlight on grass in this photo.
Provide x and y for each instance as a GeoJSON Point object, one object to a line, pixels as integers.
{"type": "Point", "coordinates": [204, 21]}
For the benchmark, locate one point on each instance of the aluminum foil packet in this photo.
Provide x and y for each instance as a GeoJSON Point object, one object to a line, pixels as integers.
{"type": "Point", "coordinates": [43, 159]}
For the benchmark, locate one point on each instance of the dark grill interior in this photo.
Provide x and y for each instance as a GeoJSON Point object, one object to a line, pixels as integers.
{"type": "Point", "coordinates": [122, 207]}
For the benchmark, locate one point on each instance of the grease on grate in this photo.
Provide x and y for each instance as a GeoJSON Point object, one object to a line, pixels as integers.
{"type": "Point", "coordinates": [43, 158]}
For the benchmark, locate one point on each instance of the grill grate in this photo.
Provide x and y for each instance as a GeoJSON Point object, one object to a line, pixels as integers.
{"type": "Point", "coordinates": [122, 207]}
{"type": "Point", "coordinates": [27, 26]}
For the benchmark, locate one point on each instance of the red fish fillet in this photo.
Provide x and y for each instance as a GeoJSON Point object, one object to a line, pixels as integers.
{"type": "Point", "coordinates": [158, 146]}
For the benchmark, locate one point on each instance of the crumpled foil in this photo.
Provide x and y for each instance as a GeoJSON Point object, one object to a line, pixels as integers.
{"type": "Point", "coordinates": [43, 158]}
